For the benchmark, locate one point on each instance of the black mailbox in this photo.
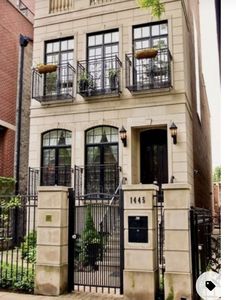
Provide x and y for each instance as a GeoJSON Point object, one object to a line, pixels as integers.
{"type": "Point", "coordinates": [138, 229]}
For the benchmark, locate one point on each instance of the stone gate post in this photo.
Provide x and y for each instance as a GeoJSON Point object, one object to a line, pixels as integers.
{"type": "Point", "coordinates": [52, 241]}
{"type": "Point", "coordinates": [177, 249]}
{"type": "Point", "coordinates": [140, 242]}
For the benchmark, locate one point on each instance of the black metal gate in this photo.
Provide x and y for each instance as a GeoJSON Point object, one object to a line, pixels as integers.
{"type": "Point", "coordinates": [96, 242]}
{"type": "Point", "coordinates": [201, 231]}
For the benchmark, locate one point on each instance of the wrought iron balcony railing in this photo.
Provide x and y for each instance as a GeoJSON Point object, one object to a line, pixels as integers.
{"type": "Point", "coordinates": [99, 76]}
{"type": "Point", "coordinates": [52, 175]}
{"type": "Point", "coordinates": [148, 73]}
{"type": "Point", "coordinates": [54, 86]}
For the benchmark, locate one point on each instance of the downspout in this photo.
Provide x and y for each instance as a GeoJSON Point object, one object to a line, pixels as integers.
{"type": "Point", "coordinates": [23, 43]}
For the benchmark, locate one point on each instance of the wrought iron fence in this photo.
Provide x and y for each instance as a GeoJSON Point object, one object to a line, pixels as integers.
{"type": "Point", "coordinates": [54, 86]}
{"type": "Point", "coordinates": [56, 175]}
{"type": "Point", "coordinates": [17, 242]}
{"type": "Point", "coordinates": [99, 76]}
{"type": "Point", "coordinates": [92, 179]}
{"type": "Point", "coordinates": [148, 73]}
{"type": "Point", "coordinates": [33, 181]}
{"type": "Point", "coordinates": [201, 237]}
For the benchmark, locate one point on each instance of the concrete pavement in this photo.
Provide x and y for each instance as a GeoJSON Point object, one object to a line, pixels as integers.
{"type": "Point", "coordinates": [75, 295]}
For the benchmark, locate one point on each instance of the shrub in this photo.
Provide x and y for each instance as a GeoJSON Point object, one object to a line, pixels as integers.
{"type": "Point", "coordinates": [28, 247]}
{"type": "Point", "coordinates": [16, 278]}
{"type": "Point", "coordinates": [7, 185]}
{"type": "Point", "coordinates": [89, 247]}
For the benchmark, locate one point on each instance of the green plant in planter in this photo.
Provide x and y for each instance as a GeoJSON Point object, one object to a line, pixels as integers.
{"type": "Point", "coordinates": [113, 78]}
{"type": "Point", "coordinates": [89, 246]}
{"type": "Point", "coordinates": [84, 82]}
{"type": "Point", "coordinates": [157, 8]}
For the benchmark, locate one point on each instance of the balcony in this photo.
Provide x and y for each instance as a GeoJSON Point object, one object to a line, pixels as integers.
{"type": "Point", "coordinates": [97, 77]}
{"type": "Point", "coordinates": [54, 86]}
{"type": "Point", "coordinates": [148, 73]}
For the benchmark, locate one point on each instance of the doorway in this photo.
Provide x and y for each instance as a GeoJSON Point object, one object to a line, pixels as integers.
{"type": "Point", "coordinates": [154, 156]}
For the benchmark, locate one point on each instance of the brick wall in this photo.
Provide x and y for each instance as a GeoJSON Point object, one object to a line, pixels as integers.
{"type": "Point", "coordinates": [200, 125]}
{"type": "Point", "coordinates": [12, 24]}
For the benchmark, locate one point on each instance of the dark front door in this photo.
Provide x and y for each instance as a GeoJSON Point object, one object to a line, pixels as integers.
{"type": "Point", "coordinates": [154, 162]}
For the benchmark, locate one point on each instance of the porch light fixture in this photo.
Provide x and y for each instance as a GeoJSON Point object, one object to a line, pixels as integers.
{"type": "Point", "coordinates": [123, 136]}
{"type": "Point", "coordinates": [173, 131]}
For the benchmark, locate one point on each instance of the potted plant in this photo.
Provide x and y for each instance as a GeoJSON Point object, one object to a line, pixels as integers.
{"type": "Point", "coordinates": [84, 82]}
{"type": "Point", "coordinates": [157, 69]}
{"type": "Point", "coordinates": [113, 77]}
{"type": "Point", "coordinates": [46, 68]}
{"type": "Point", "coordinates": [90, 244]}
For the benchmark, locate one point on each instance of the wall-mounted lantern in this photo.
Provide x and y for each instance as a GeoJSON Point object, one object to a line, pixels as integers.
{"type": "Point", "coordinates": [123, 136]}
{"type": "Point", "coordinates": [173, 131]}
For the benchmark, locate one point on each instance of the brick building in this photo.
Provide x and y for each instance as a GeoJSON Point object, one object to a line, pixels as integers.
{"type": "Point", "coordinates": [15, 18]}
{"type": "Point", "coordinates": [106, 111]}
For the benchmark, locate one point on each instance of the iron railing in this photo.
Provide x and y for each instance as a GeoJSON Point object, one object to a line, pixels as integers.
{"type": "Point", "coordinates": [201, 232]}
{"type": "Point", "coordinates": [56, 175]}
{"type": "Point", "coordinates": [99, 76]}
{"type": "Point", "coordinates": [17, 242]}
{"type": "Point", "coordinates": [33, 181]}
{"type": "Point", "coordinates": [148, 73]}
{"type": "Point", "coordinates": [54, 86]}
{"type": "Point", "coordinates": [96, 179]}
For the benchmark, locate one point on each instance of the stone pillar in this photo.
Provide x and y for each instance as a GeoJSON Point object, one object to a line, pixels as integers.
{"type": "Point", "coordinates": [141, 262]}
{"type": "Point", "coordinates": [52, 241]}
{"type": "Point", "coordinates": [177, 247]}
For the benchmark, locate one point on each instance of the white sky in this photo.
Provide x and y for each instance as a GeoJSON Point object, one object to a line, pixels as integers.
{"type": "Point", "coordinates": [211, 73]}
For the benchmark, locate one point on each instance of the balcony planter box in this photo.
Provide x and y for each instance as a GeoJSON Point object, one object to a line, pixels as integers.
{"type": "Point", "coordinates": [43, 69]}
{"type": "Point", "coordinates": [146, 53]}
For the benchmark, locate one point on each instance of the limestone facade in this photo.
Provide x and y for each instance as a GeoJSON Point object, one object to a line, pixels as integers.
{"type": "Point", "coordinates": [137, 112]}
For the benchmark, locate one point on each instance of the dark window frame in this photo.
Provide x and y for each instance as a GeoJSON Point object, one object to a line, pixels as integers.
{"type": "Point", "coordinates": [101, 162]}
{"type": "Point", "coordinates": [57, 149]}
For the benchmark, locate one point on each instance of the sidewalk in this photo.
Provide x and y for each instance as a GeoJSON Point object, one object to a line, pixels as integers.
{"type": "Point", "coordinates": [76, 295]}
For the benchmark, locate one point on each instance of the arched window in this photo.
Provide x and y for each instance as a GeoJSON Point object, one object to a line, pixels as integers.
{"type": "Point", "coordinates": [101, 170]}
{"type": "Point", "coordinates": [56, 158]}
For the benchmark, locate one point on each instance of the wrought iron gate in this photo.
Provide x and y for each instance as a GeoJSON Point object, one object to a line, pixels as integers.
{"type": "Point", "coordinates": [201, 231]}
{"type": "Point", "coordinates": [96, 242]}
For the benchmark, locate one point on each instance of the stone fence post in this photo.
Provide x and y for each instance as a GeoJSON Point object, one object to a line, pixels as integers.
{"type": "Point", "coordinates": [140, 242]}
{"type": "Point", "coordinates": [177, 250]}
{"type": "Point", "coordinates": [52, 241]}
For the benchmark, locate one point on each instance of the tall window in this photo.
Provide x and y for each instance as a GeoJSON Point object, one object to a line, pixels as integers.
{"type": "Point", "coordinates": [151, 72]}
{"type": "Point", "coordinates": [56, 158]}
{"type": "Point", "coordinates": [102, 48]}
{"type": "Point", "coordinates": [59, 52]}
{"type": "Point", "coordinates": [101, 174]}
